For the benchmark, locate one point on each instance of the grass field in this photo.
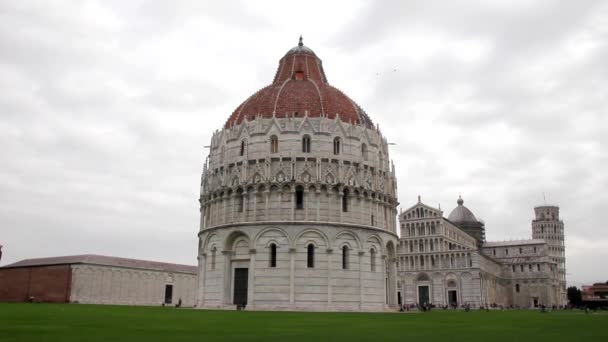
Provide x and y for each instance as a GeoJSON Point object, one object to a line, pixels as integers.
{"type": "Point", "coordinates": [50, 322]}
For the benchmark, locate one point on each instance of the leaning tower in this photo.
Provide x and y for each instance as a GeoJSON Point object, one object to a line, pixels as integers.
{"type": "Point", "coordinates": [548, 226]}
{"type": "Point", "coordinates": [298, 201]}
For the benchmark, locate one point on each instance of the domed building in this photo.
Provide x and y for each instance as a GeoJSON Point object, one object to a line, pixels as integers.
{"type": "Point", "coordinates": [447, 262]}
{"type": "Point", "coordinates": [464, 219]}
{"type": "Point", "coordinates": [298, 201]}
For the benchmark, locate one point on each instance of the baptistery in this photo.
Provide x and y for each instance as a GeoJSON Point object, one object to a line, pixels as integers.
{"type": "Point", "coordinates": [298, 201]}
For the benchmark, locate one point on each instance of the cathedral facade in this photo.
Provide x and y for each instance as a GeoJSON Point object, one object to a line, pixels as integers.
{"type": "Point", "coordinates": [447, 262]}
{"type": "Point", "coordinates": [298, 201]}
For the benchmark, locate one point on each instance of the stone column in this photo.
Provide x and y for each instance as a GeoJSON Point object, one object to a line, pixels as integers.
{"type": "Point", "coordinates": [245, 206]}
{"type": "Point", "coordinates": [340, 199]}
{"type": "Point", "coordinates": [384, 278]}
{"type": "Point", "coordinates": [292, 272]}
{"type": "Point", "coordinates": [225, 199]}
{"type": "Point", "coordinates": [306, 203]}
{"type": "Point", "coordinates": [202, 268]}
{"type": "Point", "coordinates": [318, 195]}
{"type": "Point", "coordinates": [329, 279]}
{"type": "Point", "coordinates": [251, 280]}
{"type": "Point", "coordinates": [266, 202]}
{"type": "Point", "coordinates": [361, 254]}
{"type": "Point", "coordinates": [255, 204]}
{"type": "Point", "coordinates": [225, 294]}
{"type": "Point", "coordinates": [232, 200]}
{"type": "Point", "coordinates": [293, 204]}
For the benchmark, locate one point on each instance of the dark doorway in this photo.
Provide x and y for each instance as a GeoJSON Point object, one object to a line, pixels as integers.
{"type": "Point", "coordinates": [453, 297]}
{"type": "Point", "coordinates": [240, 285]}
{"type": "Point", "coordinates": [535, 302]}
{"type": "Point", "coordinates": [168, 294]}
{"type": "Point", "coordinates": [399, 298]}
{"type": "Point", "coordinates": [423, 295]}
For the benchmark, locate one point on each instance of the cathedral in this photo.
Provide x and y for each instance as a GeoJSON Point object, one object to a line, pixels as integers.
{"type": "Point", "coordinates": [447, 262]}
{"type": "Point", "coordinates": [298, 211]}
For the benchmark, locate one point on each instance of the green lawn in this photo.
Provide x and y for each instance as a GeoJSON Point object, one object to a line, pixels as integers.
{"type": "Point", "coordinates": [63, 322]}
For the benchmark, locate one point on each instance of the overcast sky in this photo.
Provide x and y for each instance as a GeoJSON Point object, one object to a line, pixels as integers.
{"type": "Point", "coordinates": [106, 107]}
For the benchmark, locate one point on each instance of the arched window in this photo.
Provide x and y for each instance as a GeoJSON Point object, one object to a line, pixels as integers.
{"type": "Point", "coordinates": [372, 259]}
{"type": "Point", "coordinates": [364, 151]}
{"type": "Point", "coordinates": [274, 144]}
{"type": "Point", "coordinates": [517, 288]}
{"type": "Point", "coordinates": [213, 250]}
{"type": "Point", "coordinates": [344, 257]}
{"type": "Point", "coordinates": [240, 201]}
{"type": "Point", "coordinates": [310, 260]}
{"type": "Point", "coordinates": [242, 153]}
{"type": "Point", "coordinates": [345, 201]}
{"type": "Point", "coordinates": [336, 145]}
{"type": "Point", "coordinates": [273, 255]}
{"type": "Point", "coordinates": [306, 144]}
{"type": "Point", "coordinates": [299, 197]}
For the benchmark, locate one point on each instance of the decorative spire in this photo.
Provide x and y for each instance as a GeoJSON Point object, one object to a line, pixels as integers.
{"type": "Point", "coordinates": [300, 42]}
{"type": "Point", "coordinates": [460, 201]}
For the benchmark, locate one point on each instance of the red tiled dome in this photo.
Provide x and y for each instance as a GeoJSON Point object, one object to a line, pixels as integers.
{"type": "Point", "coordinates": [299, 88]}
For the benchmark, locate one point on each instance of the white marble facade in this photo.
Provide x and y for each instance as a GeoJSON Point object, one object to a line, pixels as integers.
{"type": "Point", "coordinates": [442, 265]}
{"type": "Point", "coordinates": [102, 284]}
{"type": "Point", "coordinates": [298, 184]}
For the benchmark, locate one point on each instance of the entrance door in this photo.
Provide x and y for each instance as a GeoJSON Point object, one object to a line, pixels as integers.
{"type": "Point", "coordinates": [535, 302]}
{"type": "Point", "coordinates": [168, 294]}
{"type": "Point", "coordinates": [240, 285]}
{"type": "Point", "coordinates": [453, 297]}
{"type": "Point", "coordinates": [423, 295]}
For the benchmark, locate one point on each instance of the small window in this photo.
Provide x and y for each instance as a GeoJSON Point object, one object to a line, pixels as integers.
{"type": "Point", "coordinates": [345, 201]}
{"type": "Point", "coordinates": [538, 267]}
{"type": "Point", "coordinates": [372, 219]}
{"type": "Point", "coordinates": [372, 259]}
{"type": "Point", "coordinates": [242, 148]}
{"type": "Point", "coordinates": [521, 268]}
{"type": "Point", "coordinates": [299, 75]}
{"type": "Point", "coordinates": [344, 257]}
{"type": "Point", "coordinates": [274, 144]}
{"type": "Point", "coordinates": [336, 146]}
{"type": "Point", "coordinates": [364, 151]}
{"type": "Point", "coordinates": [310, 260]}
{"type": "Point", "coordinates": [534, 249]}
{"type": "Point", "coordinates": [529, 267]}
{"type": "Point", "coordinates": [517, 288]}
{"type": "Point", "coordinates": [493, 252]}
{"type": "Point", "coordinates": [241, 201]}
{"type": "Point", "coordinates": [520, 250]}
{"type": "Point", "coordinates": [213, 250]}
{"type": "Point", "coordinates": [506, 251]}
{"type": "Point", "coordinates": [306, 144]}
{"type": "Point", "coordinates": [273, 255]}
{"type": "Point", "coordinates": [513, 266]}
{"type": "Point", "coordinates": [299, 197]}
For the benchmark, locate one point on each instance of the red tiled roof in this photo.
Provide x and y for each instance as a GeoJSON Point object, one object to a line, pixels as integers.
{"type": "Point", "coordinates": [105, 261]}
{"type": "Point", "coordinates": [299, 87]}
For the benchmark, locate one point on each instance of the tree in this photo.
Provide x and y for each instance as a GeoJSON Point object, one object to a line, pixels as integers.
{"type": "Point", "coordinates": [575, 297]}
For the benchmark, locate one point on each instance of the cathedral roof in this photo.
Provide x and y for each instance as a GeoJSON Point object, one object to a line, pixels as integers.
{"type": "Point", "coordinates": [299, 89]}
{"type": "Point", "coordinates": [461, 214]}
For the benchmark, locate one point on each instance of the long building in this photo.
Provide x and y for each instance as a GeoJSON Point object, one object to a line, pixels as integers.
{"type": "Point", "coordinates": [97, 279]}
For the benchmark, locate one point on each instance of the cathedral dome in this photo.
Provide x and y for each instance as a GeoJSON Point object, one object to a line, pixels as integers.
{"type": "Point", "coordinates": [299, 89]}
{"type": "Point", "coordinates": [461, 214]}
